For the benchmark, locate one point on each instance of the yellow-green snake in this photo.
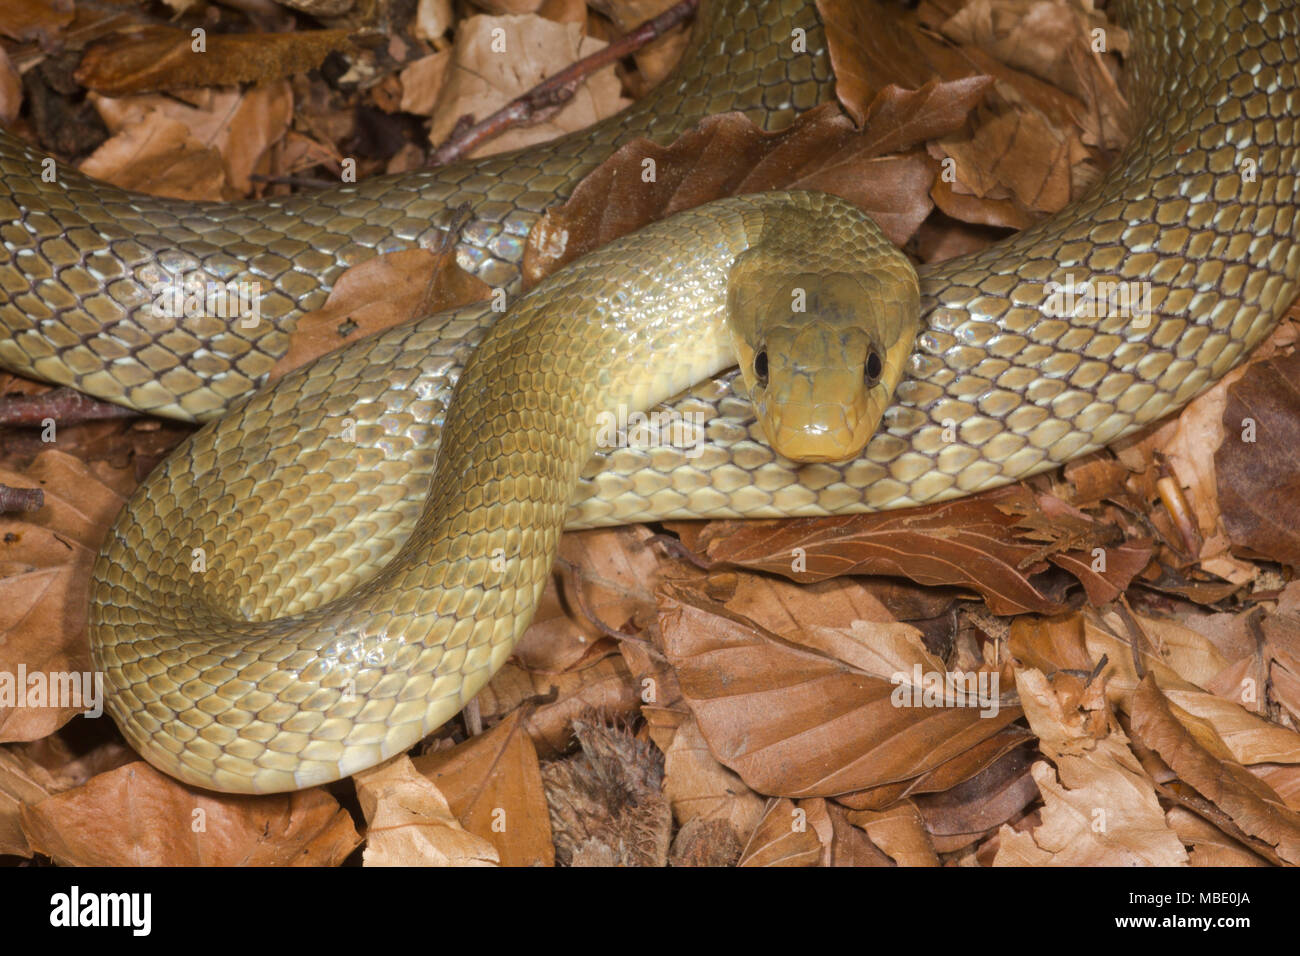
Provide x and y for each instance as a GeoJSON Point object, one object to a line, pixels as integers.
{"type": "Point", "coordinates": [305, 588]}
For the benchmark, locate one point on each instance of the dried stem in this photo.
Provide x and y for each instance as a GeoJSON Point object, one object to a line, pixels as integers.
{"type": "Point", "coordinates": [547, 97]}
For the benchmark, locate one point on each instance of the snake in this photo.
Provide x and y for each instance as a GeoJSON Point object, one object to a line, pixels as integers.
{"type": "Point", "coordinates": [334, 566]}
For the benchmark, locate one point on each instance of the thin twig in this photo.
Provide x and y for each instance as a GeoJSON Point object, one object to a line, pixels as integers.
{"type": "Point", "coordinates": [547, 97]}
{"type": "Point", "coordinates": [20, 499]}
{"type": "Point", "coordinates": [65, 406]}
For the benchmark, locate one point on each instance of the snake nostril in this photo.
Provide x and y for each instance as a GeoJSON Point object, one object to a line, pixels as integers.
{"type": "Point", "coordinates": [760, 367]}
{"type": "Point", "coordinates": [874, 368]}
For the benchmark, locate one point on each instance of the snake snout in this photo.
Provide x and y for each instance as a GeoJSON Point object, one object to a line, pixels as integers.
{"type": "Point", "coordinates": [819, 402]}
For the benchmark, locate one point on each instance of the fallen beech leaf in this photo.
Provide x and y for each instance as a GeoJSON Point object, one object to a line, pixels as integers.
{"type": "Point", "coordinates": [377, 294]}
{"type": "Point", "coordinates": [35, 19]}
{"type": "Point", "coordinates": [137, 816]}
{"type": "Point", "coordinates": [874, 45]}
{"type": "Point", "coordinates": [165, 58]}
{"type": "Point", "coordinates": [11, 91]}
{"type": "Point", "coordinates": [496, 59]}
{"type": "Point", "coordinates": [1259, 486]}
{"type": "Point", "coordinates": [965, 766]}
{"type": "Point", "coordinates": [1053, 42]}
{"type": "Point", "coordinates": [22, 782]}
{"type": "Point", "coordinates": [700, 788]}
{"type": "Point", "coordinates": [1202, 761]}
{"type": "Point", "coordinates": [899, 833]}
{"type": "Point", "coordinates": [1180, 659]}
{"type": "Point", "coordinates": [408, 821]}
{"type": "Point", "coordinates": [843, 843]}
{"type": "Point", "coordinates": [960, 815]}
{"type": "Point", "coordinates": [793, 721]}
{"type": "Point", "coordinates": [727, 155]}
{"type": "Point", "coordinates": [1103, 808]}
{"type": "Point", "coordinates": [160, 155]}
{"type": "Point", "coordinates": [422, 81]}
{"type": "Point", "coordinates": [1210, 845]}
{"type": "Point", "coordinates": [782, 838]}
{"type": "Point", "coordinates": [46, 558]}
{"type": "Point", "coordinates": [240, 126]}
{"type": "Point", "coordinates": [991, 543]}
{"type": "Point", "coordinates": [493, 784]}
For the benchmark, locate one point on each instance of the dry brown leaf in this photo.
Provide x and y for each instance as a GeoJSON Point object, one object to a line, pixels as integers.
{"type": "Point", "coordinates": [23, 781]}
{"type": "Point", "coordinates": [792, 720]}
{"type": "Point", "coordinates": [728, 155]}
{"type": "Point", "coordinates": [377, 294]}
{"type": "Point", "coordinates": [137, 816]}
{"type": "Point", "coordinates": [1203, 762]}
{"type": "Point", "coordinates": [35, 19]}
{"type": "Point", "coordinates": [992, 543]}
{"type": "Point", "coordinates": [46, 558]}
{"type": "Point", "coordinates": [166, 58]}
{"type": "Point", "coordinates": [958, 816]}
{"type": "Point", "coordinates": [1102, 809]}
{"type": "Point", "coordinates": [782, 838]}
{"type": "Point", "coordinates": [899, 833]}
{"type": "Point", "coordinates": [496, 59]}
{"type": "Point", "coordinates": [1255, 466]}
{"type": "Point", "coordinates": [698, 787]}
{"type": "Point", "coordinates": [159, 155]}
{"type": "Point", "coordinates": [493, 784]}
{"type": "Point", "coordinates": [422, 80]}
{"type": "Point", "coordinates": [409, 823]}
{"type": "Point", "coordinates": [240, 126]}
{"type": "Point", "coordinates": [1182, 661]}
{"type": "Point", "coordinates": [602, 685]}
{"type": "Point", "coordinates": [11, 91]}
{"type": "Point", "coordinates": [1210, 846]}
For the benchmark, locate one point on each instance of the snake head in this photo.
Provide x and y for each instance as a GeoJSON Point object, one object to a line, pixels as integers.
{"type": "Point", "coordinates": [821, 352]}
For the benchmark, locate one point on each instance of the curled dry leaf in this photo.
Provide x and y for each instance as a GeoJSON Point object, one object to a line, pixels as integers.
{"type": "Point", "coordinates": [991, 543]}
{"type": "Point", "coordinates": [602, 684]}
{"type": "Point", "coordinates": [1203, 762]}
{"type": "Point", "coordinates": [957, 816]}
{"type": "Point", "coordinates": [493, 784]}
{"type": "Point", "coordinates": [238, 126]}
{"type": "Point", "coordinates": [409, 823]}
{"type": "Point", "coordinates": [1100, 807]}
{"type": "Point", "coordinates": [166, 58]}
{"type": "Point", "coordinates": [35, 19]}
{"type": "Point", "coordinates": [727, 155]}
{"type": "Point", "coordinates": [137, 816]}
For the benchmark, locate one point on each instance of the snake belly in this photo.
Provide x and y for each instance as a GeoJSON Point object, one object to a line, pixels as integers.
{"type": "Point", "coordinates": [1199, 210]}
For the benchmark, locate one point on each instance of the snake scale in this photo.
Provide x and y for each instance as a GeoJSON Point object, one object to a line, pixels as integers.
{"type": "Point", "coordinates": [360, 585]}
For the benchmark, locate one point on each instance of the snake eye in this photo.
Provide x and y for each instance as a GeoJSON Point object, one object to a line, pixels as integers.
{"type": "Point", "coordinates": [874, 368]}
{"type": "Point", "coordinates": [760, 367]}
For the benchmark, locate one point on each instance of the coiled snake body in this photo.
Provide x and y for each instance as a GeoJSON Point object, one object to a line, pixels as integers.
{"type": "Point", "coordinates": [359, 588]}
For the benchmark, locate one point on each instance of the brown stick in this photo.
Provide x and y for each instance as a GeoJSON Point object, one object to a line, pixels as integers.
{"type": "Point", "coordinates": [20, 499]}
{"type": "Point", "coordinates": [64, 405]}
{"type": "Point", "coordinates": [547, 97]}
